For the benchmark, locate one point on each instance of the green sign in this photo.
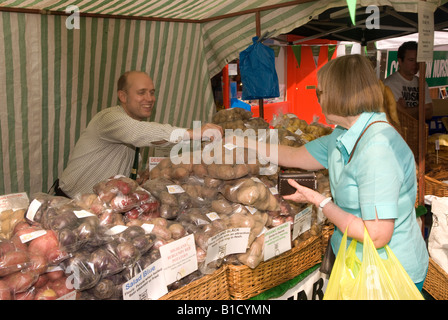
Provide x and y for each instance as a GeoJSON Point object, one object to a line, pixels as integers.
{"type": "Point", "coordinates": [436, 70]}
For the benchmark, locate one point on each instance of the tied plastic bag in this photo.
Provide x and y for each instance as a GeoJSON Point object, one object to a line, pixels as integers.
{"type": "Point", "coordinates": [438, 237]}
{"type": "Point", "coordinates": [372, 279]}
{"type": "Point", "coordinates": [258, 75]}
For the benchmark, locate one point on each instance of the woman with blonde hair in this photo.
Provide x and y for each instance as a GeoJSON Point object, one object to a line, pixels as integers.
{"type": "Point", "coordinates": [371, 168]}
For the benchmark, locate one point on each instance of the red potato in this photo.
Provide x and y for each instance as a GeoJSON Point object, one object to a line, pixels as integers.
{"type": "Point", "coordinates": [38, 263]}
{"type": "Point", "coordinates": [13, 261]}
{"type": "Point", "coordinates": [132, 214]}
{"type": "Point", "coordinates": [41, 281]}
{"type": "Point", "coordinates": [18, 244]}
{"type": "Point", "coordinates": [122, 203]}
{"type": "Point", "coordinates": [5, 294]}
{"type": "Point", "coordinates": [159, 242]}
{"type": "Point", "coordinates": [160, 222]}
{"type": "Point", "coordinates": [150, 215]}
{"type": "Point", "coordinates": [97, 206]}
{"type": "Point", "coordinates": [43, 244]}
{"type": "Point", "coordinates": [25, 229]}
{"type": "Point", "coordinates": [21, 225]}
{"type": "Point", "coordinates": [21, 232]}
{"type": "Point", "coordinates": [161, 232]}
{"type": "Point", "coordinates": [123, 185]}
{"type": "Point", "coordinates": [141, 195]}
{"type": "Point", "coordinates": [106, 193]}
{"type": "Point", "coordinates": [134, 222]}
{"type": "Point", "coordinates": [119, 185]}
{"type": "Point", "coordinates": [27, 295]}
{"type": "Point", "coordinates": [177, 231]}
{"type": "Point", "coordinates": [56, 255]}
{"type": "Point", "coordinates": [6, 246]}
{"type": "Point", "coordinates": [200, 254]}
{"type": "Point", "coordinates": [55, 275]}
{"type": "Point", "coordinates": [20, 281]}
{"type": "Point", "coordinates": [60, 286]}
{"type": "Point", "coordinates": [149, 207]}
{"type": "Point", "coordinates": [48, 246]}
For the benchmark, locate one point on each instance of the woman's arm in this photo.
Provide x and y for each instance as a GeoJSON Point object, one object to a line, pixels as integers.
{"type": "Point", "coordinates": [285, 156]}
{"type": "Point", "coordinates": [380, 230]}
{"type": "Point", "coordinates": [293, 157]}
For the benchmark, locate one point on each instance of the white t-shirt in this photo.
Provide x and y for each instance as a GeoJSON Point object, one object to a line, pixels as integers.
{"type": "Point", "coordinates": [408, 90]}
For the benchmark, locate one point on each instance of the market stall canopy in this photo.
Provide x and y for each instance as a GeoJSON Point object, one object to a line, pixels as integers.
{"type": "Point", "coordinates": [393, 21]}
{"type": "Point", "coordinates": [58, 68]}
{"type": "Point", "coordinates": [228, 25]}
{"type": "Point", "coordinates": [440, 41]}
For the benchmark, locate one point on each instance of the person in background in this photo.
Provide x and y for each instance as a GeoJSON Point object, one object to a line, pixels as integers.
{"type": "Point", "coordinates": [404, 82]}
{"type": "Point", "coordinates": [371, 168]}
{"type": "Point", "coordinates": [107, 146]}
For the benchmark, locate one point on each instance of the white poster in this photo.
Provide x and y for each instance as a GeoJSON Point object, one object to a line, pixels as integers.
{"type": "Point", "coordinates": [227, 242]}
{"type": "Point", "coordinates": [311, 288]}
{"type": "Point", "coordinates": [179, 258]}
{"type": "Point", "coordinates": [277, 240]}
{"type": "Point", "coordinates": [425, 31]}
{"type": "Point", "coordinates": [147, 285]}
{"type": "Point", "coordinates": [302, 222]}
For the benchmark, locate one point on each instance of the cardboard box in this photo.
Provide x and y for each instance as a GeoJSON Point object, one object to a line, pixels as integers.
{"type": "Point", "coordinates": [440, 107]}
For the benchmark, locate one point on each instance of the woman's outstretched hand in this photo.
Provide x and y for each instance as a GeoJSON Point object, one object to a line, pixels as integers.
{"type": "Point", "coordinates": [304, 194]}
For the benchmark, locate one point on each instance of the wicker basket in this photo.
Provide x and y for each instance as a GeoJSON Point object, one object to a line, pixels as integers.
{"type": "Point", "coordinates": [436, 283]}
{"type": "Point", "coordinates": [435, 187]}
{"type": "Point", "coordinates": [210, 287]}
{"type": "Point", "coordinates": [409, 131]}
{"type": "Point", "coordinates": [327, 232]}
{"type": "Point", "coordinates": [245, 282]}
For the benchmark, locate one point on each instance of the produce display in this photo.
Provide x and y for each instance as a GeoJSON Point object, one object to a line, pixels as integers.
{"type": "Point", "coordinates": [299, 127]}
{"type": "Point", "coordinates": [96, 245]}
{"type": "Point", "coordinates": [437, 157]}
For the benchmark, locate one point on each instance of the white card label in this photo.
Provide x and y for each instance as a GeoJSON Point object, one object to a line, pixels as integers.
{"type": "Point", "coordinates": [179, 258]}
{"type": "Point", "coordinates": [277, 240]}
{"type": "Point", "coordinates": [147, 285]}
{"type": "Point", "coordinates": [302, 222]}
{"type": "Point", "coordinates": [227, 242]}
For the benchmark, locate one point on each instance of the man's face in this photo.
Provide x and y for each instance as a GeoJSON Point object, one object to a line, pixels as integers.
{"type": "Point", "coordinates": [139, 97]}
{"type": "Point", "coordinates": [409, 65]}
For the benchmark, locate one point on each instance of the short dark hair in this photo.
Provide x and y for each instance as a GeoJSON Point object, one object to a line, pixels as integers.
{"type": "Point", "coordinates": [123, 81]}
{"type": "Point", "coordinates": [405, 46]}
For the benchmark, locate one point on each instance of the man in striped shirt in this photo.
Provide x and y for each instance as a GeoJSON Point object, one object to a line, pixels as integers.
{"type": "Point", "coordinates": [107, 146]}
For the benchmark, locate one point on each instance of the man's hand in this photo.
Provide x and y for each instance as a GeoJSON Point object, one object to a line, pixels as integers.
{"type": "Point", "coordinates": [209, 131]}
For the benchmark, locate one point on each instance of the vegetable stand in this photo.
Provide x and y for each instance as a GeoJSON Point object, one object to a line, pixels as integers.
{"type": "Point", "coordinates": [189, 231]}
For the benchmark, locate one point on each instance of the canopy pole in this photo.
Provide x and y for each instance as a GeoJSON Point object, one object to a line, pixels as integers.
{"type": "Point", "coordinates": [258, 31]}
{"type": "Point", "coordinates": [421, 135]}
{"type": "Point", "coordinates": [226, 87]}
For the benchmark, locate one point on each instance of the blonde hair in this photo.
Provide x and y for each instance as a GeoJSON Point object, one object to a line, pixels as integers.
{"type": "Point", "coordinates": [349, 86]}
{"type": "Point", "coordinates": [390, 106]}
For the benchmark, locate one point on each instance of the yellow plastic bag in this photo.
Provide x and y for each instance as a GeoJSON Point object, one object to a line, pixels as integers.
{"type": "Point", "coordinates": [372, 279]}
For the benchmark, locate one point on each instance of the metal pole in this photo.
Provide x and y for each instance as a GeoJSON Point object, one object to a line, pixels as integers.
{"type": "Point", "coordinates": [258, 30]}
